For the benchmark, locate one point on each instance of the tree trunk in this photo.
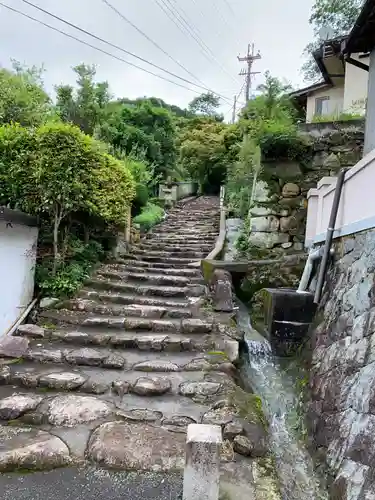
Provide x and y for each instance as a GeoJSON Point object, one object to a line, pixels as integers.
{"type": "Point", "coordinates": [56, 226]}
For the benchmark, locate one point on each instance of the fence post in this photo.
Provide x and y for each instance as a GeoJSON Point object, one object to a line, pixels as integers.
{"type": "Point", "coordinates": [202, 466]}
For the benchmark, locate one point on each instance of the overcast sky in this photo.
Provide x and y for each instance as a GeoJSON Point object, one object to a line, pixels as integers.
{"type": "Point", "coordinates": [279, 29]}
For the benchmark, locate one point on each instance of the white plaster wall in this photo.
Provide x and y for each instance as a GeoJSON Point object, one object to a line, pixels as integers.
{"type": "Point", "coordinates": [336, 101]}
{"type": "Point", "coordinates": [179, 190]}
{"type": "Point", "coordinates": [17, 265]}
{"type": "Point", "coordinates": [357, 204]}
{"type": "Point", "coordinates": [370, 115]}
{"type": "Point", "coordinates": [356, 86]}
{"type": "Point", "coordinates": [185, 189]}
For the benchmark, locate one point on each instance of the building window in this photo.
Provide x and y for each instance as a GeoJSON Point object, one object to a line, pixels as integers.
{"type": "Point", "coordinates": [322, 106]}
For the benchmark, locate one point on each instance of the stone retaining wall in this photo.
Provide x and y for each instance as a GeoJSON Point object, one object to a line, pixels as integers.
{"type": "Point", "coordinates": [278, 217]}
{"type": "Point", "coordinates": [342, 380]}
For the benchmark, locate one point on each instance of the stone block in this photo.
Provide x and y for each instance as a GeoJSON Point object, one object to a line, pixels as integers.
{"type": "Point", "coordinates": [288, 224]}
{"type": "Point", "coordinates": [221, 286]}
{"type": "Point", "coordinates": [290, 190]}
{"type": "Point", "coordinates": [296, 202]}
{"type": "Point", "coordinates": [202, 466]}
{"type": "Point", "coordinates": [268, 210]}
{"type": "Point", "coordinates": [267, 240]}
{"type": "Point", "coordinates": [13, 347]}
{"type": "Point", "coordinates": [268, 224]}
{"type": "Point", "coordinates": [261, 192]}
{"type": "Point", "coordinates": [332, 161]}
{"type": "Point", "coordinates": [30, 330]}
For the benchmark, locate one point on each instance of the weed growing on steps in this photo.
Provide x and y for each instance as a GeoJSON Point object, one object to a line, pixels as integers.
{"type": "Point", "coordinates": [150, 216]}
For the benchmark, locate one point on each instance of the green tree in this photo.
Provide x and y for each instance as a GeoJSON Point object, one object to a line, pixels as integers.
{"type": "Point", "coordinates": [340, 16]}
{"type": "Point", "coordinates": [142, 130]}
{"type": "Point", "coordinates": [203, 154]}
{"type": "Point", "coordinates": [22, 97]}
{"type": "Point", "coordinates": [273, 106]}
{"type": "Point", "coordinates": [206, 105]}
{"type": "Point", "coordinates": [86, 105]}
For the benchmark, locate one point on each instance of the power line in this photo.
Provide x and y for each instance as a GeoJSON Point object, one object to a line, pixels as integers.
{"type": "Point", "coordinates": [181, 24]}
{"type": "Point", "coordinates": [151, 40]}
{"type": "Point", "coordinates": [229, 6]}
{"type": "Point", "coordinates": [185, 17]}
{"type": "Point", "coordinates": [111, 45]}
{"type": "Point", "coordinates": [98, 49]}
{"type": "Point", "coordinates": [184, 25]}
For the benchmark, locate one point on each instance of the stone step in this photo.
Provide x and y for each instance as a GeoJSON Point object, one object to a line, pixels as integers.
{"type": "Point", "coordinates": [132, 309]}
{"type": "Point", "coordinates": [172, 239]}
{"type": "Point", "coordinates": [187, 228]}
{"type": "Point", "coordinates": [161, 291]}
{"type": "Point", "coordinates": [161, 255]}
{"type": "Point", "coordinates": [123, 298]}
{"type": "Point", "coordinates": [106, 364]}
{"type": "Point", "coordinates": [181, 231]}
{"type": "Point", "coordinates": [145, 268]}
{"type": "Point", "coordinates": [143, 341]}
{"type": "Point", "coordinates": [132, 261]}
{"type": "Point", "coordinates": [153, 279]}
{"type": "Point", "coordinates": [185, 325]}
{"type": "Point", "coordinates": [168, 392]}
{"type": "Point", "coordinates": [174, 247]}
{"type": "Point", "coordinates": [177, 261]}
{"type": "Point", "coordinates": [114, 357]}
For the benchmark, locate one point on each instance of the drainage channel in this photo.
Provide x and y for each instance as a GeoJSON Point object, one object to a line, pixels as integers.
{"type": "Point", "coordinates": [263, 374]}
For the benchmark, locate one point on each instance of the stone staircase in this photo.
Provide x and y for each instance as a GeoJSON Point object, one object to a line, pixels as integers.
{"type": "Point", "coordinates": [116, 374]}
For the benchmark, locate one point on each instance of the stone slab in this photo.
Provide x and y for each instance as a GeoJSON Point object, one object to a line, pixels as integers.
{"type": "Point", "coordinates": [120, 445]}
{"type": "Point", "coordinates": [26, 448]}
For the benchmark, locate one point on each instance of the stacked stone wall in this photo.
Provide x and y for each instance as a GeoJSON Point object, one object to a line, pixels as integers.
{"type": "Point", "coordinates": [342, 377]}
{"type": "Point", "coordinates": [278, 215]}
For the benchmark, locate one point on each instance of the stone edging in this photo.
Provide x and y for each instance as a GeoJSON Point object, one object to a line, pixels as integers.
{"type": "Point", "coordinates": [219, 245]}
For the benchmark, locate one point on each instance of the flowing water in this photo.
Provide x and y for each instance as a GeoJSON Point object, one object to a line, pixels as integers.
{"type": "Point", "coordinates": [277, 389]}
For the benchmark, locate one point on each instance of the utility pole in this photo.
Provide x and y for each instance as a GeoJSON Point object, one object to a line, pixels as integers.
{"type": "Point", "coordinates": [234, 109]}
{"type": "Point", "coordinates": [249, 59]}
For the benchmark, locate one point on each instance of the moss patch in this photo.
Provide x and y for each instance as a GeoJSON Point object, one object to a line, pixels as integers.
{"type": "Point", "coordinates": [249, 406]}
{"type": "Point", "coordinates": [267, 485]}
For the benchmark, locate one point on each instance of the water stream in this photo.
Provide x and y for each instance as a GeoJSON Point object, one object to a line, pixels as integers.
{"type": "Point", "coordinates": [277, 389]}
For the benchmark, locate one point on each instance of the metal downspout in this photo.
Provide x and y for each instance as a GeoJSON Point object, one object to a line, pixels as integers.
{"type": "Point", "coordinates": [329, 236]}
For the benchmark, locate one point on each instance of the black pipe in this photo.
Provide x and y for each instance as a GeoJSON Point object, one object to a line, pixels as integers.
{"type": "Point", "coordinates": [356, 63]}
{"type": "Point", "coordinates": [329, 237]}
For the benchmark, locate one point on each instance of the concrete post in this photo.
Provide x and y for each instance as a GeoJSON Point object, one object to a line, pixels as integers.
{"type": "Point", "coordinates": [202, 467]}
{"type": "Point", "coordinates": [128, 225]}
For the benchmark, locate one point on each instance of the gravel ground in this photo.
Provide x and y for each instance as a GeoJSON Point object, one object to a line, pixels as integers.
{"type": "Point", "coordinates": [90, 484]}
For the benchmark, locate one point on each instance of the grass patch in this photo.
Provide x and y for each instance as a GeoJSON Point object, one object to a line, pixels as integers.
{"type": "Point", "coordinates": [150, 216]}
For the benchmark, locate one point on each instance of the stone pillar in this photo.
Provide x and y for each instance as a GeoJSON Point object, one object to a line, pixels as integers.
{"type": "Point", "coordinates": [202, 467]}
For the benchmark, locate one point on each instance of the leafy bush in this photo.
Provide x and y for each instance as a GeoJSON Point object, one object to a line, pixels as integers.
{"type": "Point", "coordinates": [61, 174]}
{"type": "Point", "coordinates": [149, 217]}
{"type": "Point", "coordinates": [338, 117]}
{"type": "Point", "coordinates": [141, 197]}
{"type": "Point", "coordinates": [281, 140]}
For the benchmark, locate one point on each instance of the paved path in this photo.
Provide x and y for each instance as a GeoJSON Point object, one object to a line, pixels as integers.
{"type": "Point", "coordinates": [114, 376]}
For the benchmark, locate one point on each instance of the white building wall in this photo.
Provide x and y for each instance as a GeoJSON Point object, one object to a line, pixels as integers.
{"type": "Point", "coordinates": [18, 245]}
{"type": "Point", "coordinates": [357, 204]}
{"type": "Point", "coordinates": [356, 86]}
{"type": "Point", "coordinates": [335, 105]}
